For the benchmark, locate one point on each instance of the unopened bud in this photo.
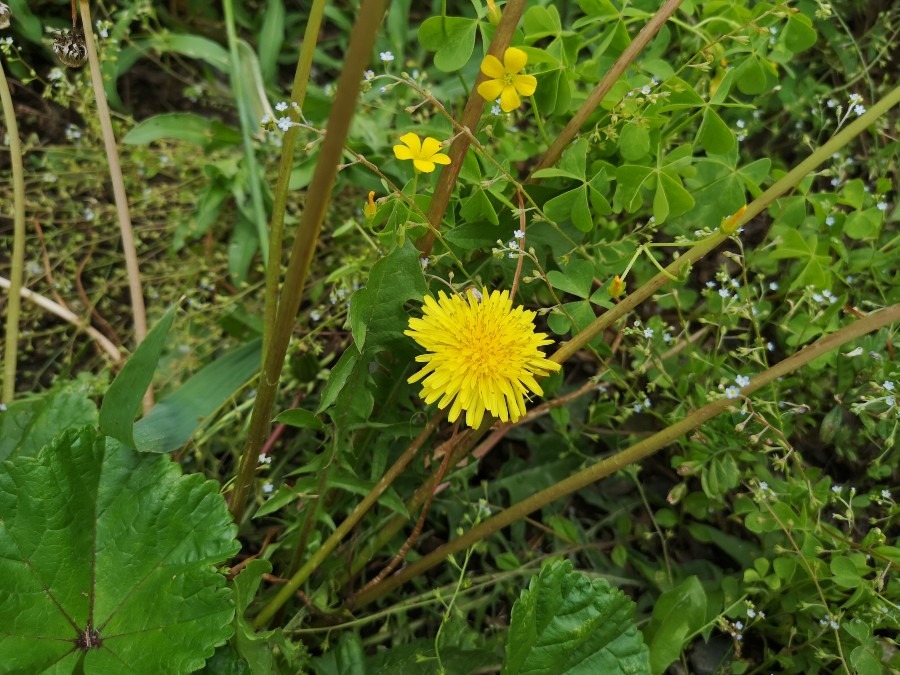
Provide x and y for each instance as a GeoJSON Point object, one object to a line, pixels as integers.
{"type": "Point", "coordinates": [370, 208]}
{"type": "Point", "coordinates": [616, 287]}
{"type": "Point", "coordinates": [494, 13]}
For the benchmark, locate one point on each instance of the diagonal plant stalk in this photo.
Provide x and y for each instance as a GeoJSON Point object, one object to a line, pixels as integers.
{"type": "Point", "coordinates": [635, 453]}
{"type": "Point", "coordinates": [289, 142]}
{"type": "Point", "coordinates": [359, 53]}
{"type": "Point", "coordinates": [118, 185]}
{"type": "Point", "coordinates": [695, 253]}
{"type": "Point", "coordinates": [512, 12]}
{"type": "Point", "coordinates": [14, 304]}
{"type": "Point", "coordinates": [253, 176]}
{"type": "Point", "coordinates": [595, 98]}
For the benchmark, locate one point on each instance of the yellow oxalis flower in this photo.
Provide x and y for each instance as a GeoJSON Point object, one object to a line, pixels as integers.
{"type": "Point", "coordinates": [482, 355]}
{"type": "Point", "coordinates": [424, 153]}
{"type": "Point", "coordinates": [506, 83]}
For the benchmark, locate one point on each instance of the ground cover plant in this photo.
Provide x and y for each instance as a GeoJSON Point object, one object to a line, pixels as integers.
{"type": "Point", "coordinates": [449, 337]}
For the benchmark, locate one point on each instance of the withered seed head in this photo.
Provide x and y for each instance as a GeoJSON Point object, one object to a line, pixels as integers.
{"type": "Point", "coordinates": [70, 49]}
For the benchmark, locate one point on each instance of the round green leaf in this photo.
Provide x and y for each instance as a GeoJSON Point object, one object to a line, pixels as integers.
{"type": "Point", "coordinates": [452, 38]}
{"type": "Point", "coordinates": [108, 561]}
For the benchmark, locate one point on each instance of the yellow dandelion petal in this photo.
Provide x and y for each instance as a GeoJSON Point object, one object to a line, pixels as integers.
{"type": "Point", "coordinates": [482, 355]}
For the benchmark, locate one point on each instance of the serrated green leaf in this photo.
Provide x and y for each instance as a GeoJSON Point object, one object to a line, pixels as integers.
{"type": "Point", "coordinates": [377, 316]}
{"type": "Point", "coordinates": [102, 543]}
{"type": "Point", "coordinates": [124, 396]}
{"type": "Point", "coordinates": [566, 624]}
{"type": "Point", "coordinates": [452, 38]}
{"type": "Point", "coordinates": [173, 421]}
{"type": "Point", "coordinates": [27, 425]}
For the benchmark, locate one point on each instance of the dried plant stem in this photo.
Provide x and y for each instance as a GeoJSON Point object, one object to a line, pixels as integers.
{"type": "Point", "coordinates": [118, 185]}
{"type": "Point", "coordinates": [359, 52]}
{"type": "Point", "coordinates": [512, 12]}
{"type": "Point", "coordinates": [595, 98]}
{"type": "Point", "coordinates": [14, 304]}
{"type": "Point", "coordinates": [66, 315]}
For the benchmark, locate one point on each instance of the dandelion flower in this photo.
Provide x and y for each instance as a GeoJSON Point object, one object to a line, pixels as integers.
{"type": "Point", "coordinates": [505, 81]}
{"type": "Point", "coordinates": [423, 153]}
{"type": "Point", "coordinates": [482, 355]}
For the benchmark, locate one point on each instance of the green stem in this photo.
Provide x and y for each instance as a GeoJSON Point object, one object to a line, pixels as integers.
{"type": "Point", "coordinates": [14, 303]}
{"type": "Point", "coordinates": [345, 527]}
{"type": "Point", "coordinates": [118, 184]}
{"type": "Point", "coordinates": [631, 455]}
{"type": "Point", "coordinates": [359, 53]}
{"type": "Point", "coordinates": [253, 178]}
{"type": "Point", "coordinates": [289, 142]}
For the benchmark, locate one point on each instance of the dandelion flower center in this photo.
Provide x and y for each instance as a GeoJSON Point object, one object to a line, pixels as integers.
{"type": "Point", "coordinates": [481, 354]}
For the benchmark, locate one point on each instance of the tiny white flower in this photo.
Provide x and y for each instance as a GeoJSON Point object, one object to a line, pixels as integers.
{"type": "Point", "coordinates": [637, 408]}
{"type": "Point", "coordinates": [264, 459]}
{"type": "Point", "coordinates": [369, 74]}
{"type": "Point", "coordinates": [836, 489]}
{"type": "Point", "coordinates": [667, 337]}
{"type": "Point", "coordinates": [281, 106]}
{"type": "Point", "coordinates": [818, 297]}
{"type": "Point", "coordinates": [831, 103]}
{"type": "Point", "coordinates": [284, 123]}
{"type": "Point", "coordinates": [835, 182]}
{"type": "Point", "coordinates": [742, 380]}
{"type": "Point", "coordinates": [519, 234]}
{"type": "Point", "coordinates": [855, 98]}
{"type": "Point", "coordinates": [265, 119]}
{"type": "Point", "coordinates": [315, 315]}
{"type": "Point", "coordinates": [886, 494]}
{"type": "Point", "coordinates": [773, 285]}
{"type": "Point", "coordinates": [741, 124]}
{"type": "Point", "coordinates": [268, 487]}
{"type": "Point", "coordinates": [882, 205]}
{"type": "Point", "coordinates": [55, 74]}
{"type": "Point", "coordinates": [724, 292]}
{"type": "Point", "coordinates": [890, 401]}
{"type": "Point", "coordinates": [387, 57]}
{"type": "Point", "coordinates": [859, 110]}
{"type": "Point", "coordinates": [645, 90]}
{"type": "Point", "coordinates": [710, 284]}
{"type": "Point", "coordinates": [751, 613]}
{"type": "Point", "coordinates": [423, 262]}
{"type": "Point", "coordinates": [735, 283]}
{"type": "Point", "coordinates": [732, 392]}
{"type": "Point", "coordinates": [647, 403]}
{"type": "Point", "coordinates": [495, 110]}
{"type": "Point", "coordinates": [829, 221]}
{"type": "Point", "coordinates": [648, 333]}
{"type": "Point", "coordinates": [889, 385]}
{"type": "Point", "coordinates": [834, 624]}
{"type": "Point", "coordinates": [88, 214]}
{"type": "Point", "coordinates": [770, 346]}
{"type": "Point", "coordinates": [739, 625]}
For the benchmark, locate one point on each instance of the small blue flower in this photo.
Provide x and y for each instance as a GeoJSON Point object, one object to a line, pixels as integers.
{"type": "Point", "coordinates": [889, 385]}
{"type": "Point", "coordinates": [732, 392]}
{"type": "Point", "coordinates": [742, 380]}
{"type": "Point", "coordinates": [648, 333]}
{"type": "Point", "coordinates": [387, 57]}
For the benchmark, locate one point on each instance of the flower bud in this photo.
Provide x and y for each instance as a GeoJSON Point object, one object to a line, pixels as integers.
{"type": "Point", "coordinates": [370, 208]}
{"type": "Point", "coordinates": [616, 287]}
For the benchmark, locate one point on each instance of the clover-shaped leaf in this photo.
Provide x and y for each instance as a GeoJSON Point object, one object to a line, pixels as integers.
{"type": "Point", "coordinates": [107, 559]}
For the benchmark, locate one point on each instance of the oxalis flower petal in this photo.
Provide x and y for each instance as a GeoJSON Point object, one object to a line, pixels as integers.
{"type": "Point", "coordinates": [423, 153]}
{"type": "Point", "coordinates": [482, 355]}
